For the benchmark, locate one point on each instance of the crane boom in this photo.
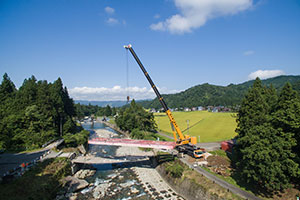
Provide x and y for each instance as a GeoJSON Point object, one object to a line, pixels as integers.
{"type": "Point", "coordinates": [182, 139]}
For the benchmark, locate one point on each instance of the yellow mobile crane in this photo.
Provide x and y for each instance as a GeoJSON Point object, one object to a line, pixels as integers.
{"type": "Point", "coordinates": [185, 143]}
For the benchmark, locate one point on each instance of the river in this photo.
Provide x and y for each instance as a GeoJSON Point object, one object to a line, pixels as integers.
{"type": "Point", "coordinates": [117, 183]}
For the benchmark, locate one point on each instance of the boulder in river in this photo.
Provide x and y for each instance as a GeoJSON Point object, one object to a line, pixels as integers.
{"type": "Point", "coordinates": [82, 149]}
{"type": "Point", "coordinates": [100, 190]}
{"type": "Point", "coordinates": [127, 184]}
{"type": "Point", "coordinates": [73, 184]}
{"type": "Point", "coordinates": [134, 190]}
{"type": "Point", "coordinates": [83, 173]}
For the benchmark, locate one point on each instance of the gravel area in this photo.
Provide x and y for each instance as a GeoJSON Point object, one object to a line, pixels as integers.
{"type": "Point", "coordinates": [105, 133]}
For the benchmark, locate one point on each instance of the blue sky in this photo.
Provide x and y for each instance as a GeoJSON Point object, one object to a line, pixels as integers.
{"type": "Point", "coordinates": [182, 43]}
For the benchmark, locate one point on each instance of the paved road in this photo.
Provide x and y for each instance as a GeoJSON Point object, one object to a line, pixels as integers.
{"type": "Point", "coordinates": [221, 182]}
{"type": "Point", "coordinates": [209, 146]}
{"type": "Point", "coordinates": [165, 135]}
{"type": "Point", "coordinates": [9, 161]}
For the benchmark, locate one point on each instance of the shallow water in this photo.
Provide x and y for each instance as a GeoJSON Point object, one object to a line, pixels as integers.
{"type": "Point", "coordinates": [119, 181]}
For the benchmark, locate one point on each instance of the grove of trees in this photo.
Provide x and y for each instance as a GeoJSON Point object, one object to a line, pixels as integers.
{"type": "Point", "coordinates": [34, 114]}
{"type": "Point", "coordinates": [88, 110]}
{"type": "Point", "coordinates": [267, 151]}
{"type": "Point", "coordinates": [136, 120]}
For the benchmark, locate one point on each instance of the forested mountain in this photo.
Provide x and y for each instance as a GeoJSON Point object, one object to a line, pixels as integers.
{"type": "Point", "coordinates": [212, 95]}
{"type": "Point", "coordinates": [34, 114]}
{"type": "Point", "coordinates": [105, 103]}
{"type": "Point", "coordinates": [102, 103]}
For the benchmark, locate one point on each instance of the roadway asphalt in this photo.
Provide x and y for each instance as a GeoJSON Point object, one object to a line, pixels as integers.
{"type": "Point", "coordinates": [9, 161]}
{"type": "Point", "coordinates": [224, 184]}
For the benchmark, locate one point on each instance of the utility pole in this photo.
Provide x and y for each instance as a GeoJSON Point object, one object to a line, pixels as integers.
{"type": "Point", "coordinates": [188, 126]}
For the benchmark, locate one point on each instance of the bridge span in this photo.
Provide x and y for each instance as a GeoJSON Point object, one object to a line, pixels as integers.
{"type": "Point", "coordinates": [133, 143]}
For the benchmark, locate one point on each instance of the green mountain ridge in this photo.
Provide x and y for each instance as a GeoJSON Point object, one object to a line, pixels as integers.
{"type": "Point", "coordinates": [213, 95]}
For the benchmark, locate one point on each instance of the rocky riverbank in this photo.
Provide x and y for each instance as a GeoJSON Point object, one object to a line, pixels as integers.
{"type": "Point", "coordinates": [116, 128]}
{"type": "Point", "coordinates": [136, 179]}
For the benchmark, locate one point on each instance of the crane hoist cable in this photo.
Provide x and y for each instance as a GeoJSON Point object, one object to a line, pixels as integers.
{"type": "Point", "coordinates": [127, 78]}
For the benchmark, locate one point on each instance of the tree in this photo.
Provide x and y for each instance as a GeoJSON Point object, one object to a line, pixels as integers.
{"type": "Point", "coordinates": [7, 94]}
{"type": "Point", "coordinates": [135, 117]}
{"type": "Point", "coordinates": [37, 130]}
{"type": "Point", "coordinates": [31, 116]}
{"type": "Point", "coordinates": [63, 106]}
{"type": "Point", "coordinates": [263, 153]}
{"type": "Point", "coordinates": [27, 94]}
{"type": "Point", "coordinates": [286, 118]}
{"type": "Point", "coordinates": [7, 88]}
{"type": "Point", "coordinates": [107, 111]}
{"type": "Point", "coordinates": [113, 111]}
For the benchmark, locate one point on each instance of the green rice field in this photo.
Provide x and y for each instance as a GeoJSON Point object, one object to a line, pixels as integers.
{"type": "Point", "coordinates": [211, 127]}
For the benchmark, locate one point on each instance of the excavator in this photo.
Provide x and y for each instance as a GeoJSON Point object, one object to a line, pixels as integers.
{"type": "Point", "coordinates": [184, 143]}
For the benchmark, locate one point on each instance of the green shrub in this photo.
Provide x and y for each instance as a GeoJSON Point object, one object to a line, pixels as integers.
{"type": "Point", "coordinates": [174, 169]}
{"type": "Point", "coordinates": [73, 140]}
{"type": "Point", "coordinates": [137, 134]}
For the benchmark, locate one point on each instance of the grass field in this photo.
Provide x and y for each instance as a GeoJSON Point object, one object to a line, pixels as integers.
{"type": "Point", "coordinates": [211, 127]}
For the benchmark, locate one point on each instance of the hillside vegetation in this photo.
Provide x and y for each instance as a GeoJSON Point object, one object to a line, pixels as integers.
{"type": "Point", "coordinates": [267, 151]}
{"type": "Point", "coordinates": [34, 114]}
{"type": "Point", "coordinates": [212, 95]}
{"type": "Point", "coordinates": [211, 127]}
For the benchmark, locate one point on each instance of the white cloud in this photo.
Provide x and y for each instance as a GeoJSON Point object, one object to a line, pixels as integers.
{"type": "Point", "coordinates": [114, 93]}
{"type": "Point", "coordinates": [157, 27]}
{"type": "Point", "coordinates": [264, 74]}
{"type": "Point", "coordinates": [195, 13]}
{"type": "Point", "coordinates": [109, 10]}
{"type": "Point", "coordinates": [248, 53]}
{"type": "Point", "coordinates": [112, 21]}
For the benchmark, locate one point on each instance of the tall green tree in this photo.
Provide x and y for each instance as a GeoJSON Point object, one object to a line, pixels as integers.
{"type": "Point", "coordinates": [63, 106]}
{"type": "Point", "coordinates": [107, 111]}
{"type": "Point", "coordinates": [263, 153]}
{"type": "Point", "coordinates": [135, 117]}
{"type": "Point", "coordinates": [27, 94]}
{"type": "Point", "coordinates": [7, 88]}
{"type": "Point", "coordinates": [286, 118]}
{"type": "Point", "coordinates": [7, 95]}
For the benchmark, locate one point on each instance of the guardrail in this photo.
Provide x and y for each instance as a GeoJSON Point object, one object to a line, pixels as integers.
{"type": "Point", "coordinates": [20, 170]}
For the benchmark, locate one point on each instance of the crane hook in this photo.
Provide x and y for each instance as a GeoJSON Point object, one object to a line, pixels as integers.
{"type": "Point", "coordinates": [128, 98]}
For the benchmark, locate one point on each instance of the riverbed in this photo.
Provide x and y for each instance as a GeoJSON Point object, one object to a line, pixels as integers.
{"type": "Point", "coordinates": [132, 177]}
